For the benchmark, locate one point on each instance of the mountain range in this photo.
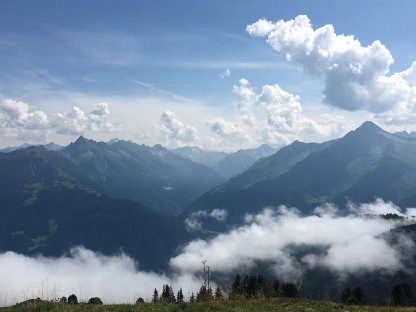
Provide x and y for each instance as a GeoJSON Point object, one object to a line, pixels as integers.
{"type": "Point", "coordinates": [227, 165]}
{"type": "Point", "coordinates": [153, 176]}
{"type": "Point", "coordinates": [50, 147]}
{"type": "Point", "coordinates": [365, 164]}
{"type": "Point", "coordinates": [121, 195]}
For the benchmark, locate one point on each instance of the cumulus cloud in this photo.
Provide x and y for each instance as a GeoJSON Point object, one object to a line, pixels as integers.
{"type": "Point", "coordinates": [76, 121]}
{"type": "Point", "coordinates": [356, 77]}
{"type": "Point", "coordinates": [20, 121]}
{"type": "Point", "coordinates": [225, 74]}
{"type": "Point", "coordinates": [17, 114]}
{"type": "Point", "coordinates": [272, 115]}
{"type": "Point", "coordinates": [115, 279]}
{"type": "Point", "coordinates": [350, 244]}
{"type": "Point", "coordinates": [175, 130]}
{"type": "Point", "coordinates": [195, 220]}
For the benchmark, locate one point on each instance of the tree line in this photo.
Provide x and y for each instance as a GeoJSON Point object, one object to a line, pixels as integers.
{"type": "Point", "coordinates": [256, 287]}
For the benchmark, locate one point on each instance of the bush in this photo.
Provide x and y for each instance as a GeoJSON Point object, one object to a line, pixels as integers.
{"type": "Point", "coordinates": [95, 300]}
{"type": "Point", "coordinates": [290, 290]}
{"type": "Point", "coordinates": [140, 300]}
{"type": "Point", "coordinates": [72, 299]}
{"type": "Point", "coordinates": [63, 300]}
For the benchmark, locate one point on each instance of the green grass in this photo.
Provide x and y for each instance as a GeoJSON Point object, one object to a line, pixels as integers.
{"type": "Point", "coordinates": [283, 305]}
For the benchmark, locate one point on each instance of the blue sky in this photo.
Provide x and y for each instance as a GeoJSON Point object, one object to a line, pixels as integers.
{"type": "Point", "coordinates": [169, 55]}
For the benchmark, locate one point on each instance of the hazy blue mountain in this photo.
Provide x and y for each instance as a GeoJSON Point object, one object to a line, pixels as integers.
{"type": "Point", "coordinates": [50, 147]}
{"type": "Point", "coordinates": [200, 156]}
{"type": "Point", "coordinates": [237, 162]}
{"type": "Point", "coordinates": [150, 175]}
{"type": "Point", "coordinates": [53, 147]}
{"type": "Point", "coordinates": [406, 134]}
{"type": "Point", "coordinates": [366, 163]}
{"type": "Point", "coordinates": [13, 148]}
{"type": "Point", "coordinates": [47, 205]}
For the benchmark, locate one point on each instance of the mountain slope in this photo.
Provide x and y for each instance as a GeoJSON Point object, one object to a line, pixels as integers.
{"type": "Point", "coordinates": [48, 206]}
{"type": "Point", "coordinates": [199, 156]}
{"type": "Point", "coordinates": [237, 162]}
{"type": "Point", "coordinates": [150, 175]}
{"type": "Point", "coordinates": [366, 163]}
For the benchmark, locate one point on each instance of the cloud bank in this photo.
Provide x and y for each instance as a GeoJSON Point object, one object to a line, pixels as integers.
{"type": "Point", "coordinates": [285, 240]}
{"type": "Point", "coordinates": [290, 243]}
{"type": "Point", "coordinates": [356, 77]}
{"type": "Point", "coordinates": [115, 279]}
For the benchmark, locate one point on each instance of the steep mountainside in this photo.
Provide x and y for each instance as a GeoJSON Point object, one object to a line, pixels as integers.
{"type": "Point", "coordinates": [47, 206]}
{"type": "Point", "coordinates": [366, 163]}
{"type": "Point", "coordinates": [150, 175]}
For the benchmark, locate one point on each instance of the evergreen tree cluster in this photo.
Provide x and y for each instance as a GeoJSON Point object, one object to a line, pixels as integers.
{"type": "Point", "coordinates": [168, 296]}
{"type": "Point", "coordinates": [401, 295]}
{"type": "Point", "coordinates": [256, 286]}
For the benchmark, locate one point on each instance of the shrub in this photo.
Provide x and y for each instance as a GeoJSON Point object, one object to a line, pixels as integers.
{"type": "Point", "coordinates": [72, 299]}
{"type": "Point", "coordinates": [140, 300]}
{"type": "Point", "coordinates": [290, 290]}
{"type": "Point", "coordinates": [95, 300]}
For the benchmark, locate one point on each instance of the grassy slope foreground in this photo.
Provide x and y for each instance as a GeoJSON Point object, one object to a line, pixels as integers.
{"type": "Point", "coordinates": [285, 304]}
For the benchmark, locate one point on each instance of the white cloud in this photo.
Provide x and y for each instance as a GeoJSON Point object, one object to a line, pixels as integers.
{"type": "Point", "coordinates": [115, 279]}
{"type": "Point", "coordinates": [176, 130]}
{"type": "Point", "coordinates": [225, 74]}
{"type": "Point", "coordinates": [17, 114]}
{"type": "Point", "coordinates": [350, 244]}
{"type": "Point", "coordinates": [356, 76]}
{"type": "Point", "coordinates": [272, 116]}
{"type": "Point", "coordinates": [20, 121]}
{"type": "Point", "coordinates": [343, 244]}
{"type": "Point", "coordinates": [76, 121]}
{"type": "Point", "coordinates": [195, 220]}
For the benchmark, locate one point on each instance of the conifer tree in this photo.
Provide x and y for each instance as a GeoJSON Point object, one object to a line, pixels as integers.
{"type": "Point", "coordinates": [236, 288]}
{"type": "Point", "coordinates": [218, 294]}
{"type": "Point", "coordinates": [192, 298]}
{"type": "Point", "coordinates": [179, 296]}
{"type": "Point", "coordinates": [276, 288]}
{"type": "Point", "coordinates": [155, 297]}
{"type": "Point", "coordinates": [167, 294]}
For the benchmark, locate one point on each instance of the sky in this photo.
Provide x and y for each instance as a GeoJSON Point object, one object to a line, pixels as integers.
{"type": "Point", "coordinates": [221, 75]}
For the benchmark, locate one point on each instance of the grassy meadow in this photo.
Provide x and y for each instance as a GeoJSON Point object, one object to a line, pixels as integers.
{"type": "Point", "coordinates": [281, 304]}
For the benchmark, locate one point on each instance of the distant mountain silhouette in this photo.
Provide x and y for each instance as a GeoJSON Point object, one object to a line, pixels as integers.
{"type": "Point", "coordinates": [200, 156]}
{"type": "Point", "coordinates": [50, 147]}
{"type": "Point", "coordinates": [237, 162]}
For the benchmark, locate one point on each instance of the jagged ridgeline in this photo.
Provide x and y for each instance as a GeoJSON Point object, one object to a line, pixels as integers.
{"type": "Point", "coordinates": [365, 164]}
